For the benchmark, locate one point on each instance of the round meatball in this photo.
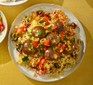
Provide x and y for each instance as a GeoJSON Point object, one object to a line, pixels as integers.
{"type": "Point", "coordinates": [50, 54]}
{"type": "Point", "coordinates": [60, 26]}
{"type": "Point", "coordinates": [38, 32]}
{"type": "Point", "coordinates": [27, 48]}
{"type": "Point", "coordinates": [55, 39]}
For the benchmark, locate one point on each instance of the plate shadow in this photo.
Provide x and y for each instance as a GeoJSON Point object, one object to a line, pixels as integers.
{"type": "Point", "coordinates": [90, 2]}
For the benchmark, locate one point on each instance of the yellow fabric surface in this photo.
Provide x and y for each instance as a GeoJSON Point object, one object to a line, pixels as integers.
{"type": "Point", "coordinates": [83, 10]}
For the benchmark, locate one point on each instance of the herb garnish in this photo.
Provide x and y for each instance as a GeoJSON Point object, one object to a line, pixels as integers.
{"type": "Point", "coordinates": [25, 59]}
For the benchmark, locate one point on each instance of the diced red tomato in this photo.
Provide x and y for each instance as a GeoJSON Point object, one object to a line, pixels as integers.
{"type": "Point", "coordinates": [62, 34]}
{"type": "Point", "coordinates": [1, 23]}
{"type": "Point", "coordinates": [43, 71]}
{"type": "Point", "coordinates": [42, 61]}
{"type": "Point", "coordinates": [54, 27]}
{"type": "Point", "coordinates": [60, 47]}
{"type": "Point", "coordinates": [45, 18]}
{"type": "Point", "coordinates": [47, 42]}
{"type": "Point", "coordinates": [1, 26]}
{"type": "Point", "coordinates": [20, 30]}
{"type": "Point", "coordinates": [35, 44]}
{"type": "Point", "coordinates": [63, 46]}
{"type": "Point", "coordinates": [47, 23]}
{"type": "Point", "coordinates": [45, 48]}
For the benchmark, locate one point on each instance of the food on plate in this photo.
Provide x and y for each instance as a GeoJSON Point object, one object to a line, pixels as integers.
{"type": "Point", "coordinates": [47, 42]}
{"type": "Point", "coordinates": [1, 24]}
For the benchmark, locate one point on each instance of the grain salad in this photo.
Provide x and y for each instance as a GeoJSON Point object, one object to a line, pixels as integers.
{"type": "Point", "coordinates": [46, 42]}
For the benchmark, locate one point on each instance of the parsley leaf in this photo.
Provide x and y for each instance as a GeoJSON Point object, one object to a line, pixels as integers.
{"type": "Point", "coordinates": [39, 33]}
{"type": "Point", "coordinates": [49, 28]}
{"type": "Point", "coordinates": [41, 22]}
{"type": "Point", "coordinates": [25, 59]}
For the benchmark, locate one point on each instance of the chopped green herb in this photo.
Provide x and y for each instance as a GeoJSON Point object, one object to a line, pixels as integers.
{"type": "Point", "coordinates": [41, 22]}
{"type": "Point", "coordinates": [64, 38]}
{"type": "Point", "coordinates": [54, 48]}
{"type": "Point", "coordinates": [31, 46]}
{"type": "Point", "coordinates": [25, 59]}
{"type": "Point", "coordinates": [49, 28]}
{"type": "Point", "coordinates": [73, 40]}
{"type": "Point", "coordinates": [25, 16]}
{"type": "Point", "coordinates": [50, 38]}
{"type": "Point", "coordinates": [39, 33]}
{"type": "Point", "coordinates": [29, 31]}
{"type": "Point", "coordinates": [42, 51]}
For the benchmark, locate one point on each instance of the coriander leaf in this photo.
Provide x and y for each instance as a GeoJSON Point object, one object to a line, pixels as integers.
{"type": "Point", "coordinates": [29, 31]}
{"type": "Point", "coordinates": [31, 46]}
{"type": "Point", "coordinates": [49, 28]}
{"type": "Point", "coordinates": [26, 16]}
{"type": "Point", "coordinates": [54, 48]}
{"type": "Point", "coordinates": [64, 38]}
{"type": "Point", "coordinates": [73, 40]}
{"type": "Point", "coordinates": [39, 33]}
{"type": "Point", "coordinates": [25, 59]}
{"type": "Point", "coordinates": [41, 22]}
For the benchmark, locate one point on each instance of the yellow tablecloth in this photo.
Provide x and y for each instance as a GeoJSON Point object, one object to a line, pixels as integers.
{"type": "Point", "coordinates": [83, 10]}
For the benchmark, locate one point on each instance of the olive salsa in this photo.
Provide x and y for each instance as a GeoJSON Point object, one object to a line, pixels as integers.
{"type": "Point", "coordinates": [46, 42]}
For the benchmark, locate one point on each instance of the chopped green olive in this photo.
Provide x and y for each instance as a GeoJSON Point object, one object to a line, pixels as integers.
{"type": "Point", "coordinates": [25, 59]}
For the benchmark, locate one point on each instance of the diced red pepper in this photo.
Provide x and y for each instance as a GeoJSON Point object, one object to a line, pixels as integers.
{"type": "Point", "coordinates": [45, 18]}
{"type": "Point", "coordinates": [45, 48]}
{"type": "Point", "coordinates": [62, 34]}
{"type": "Point", "coordinates": [47, 23]}
{"type": "Point", "coordinates": [47, 42]}
{"type": "Point", "coordinates": [1, 26]}
{"type": "Point", "coordinates": [20, 30]}
{"type": "Point", "coordinates": [54, 27]}
{"type": "Point", "coordinates": [43, 71]}
{"type": "Point", "coordinates": [60, 47]}
{"type": "Point", "coordinates": [1, 23]}
{"type": "Point", "coordinates": [42, 61]}
{"type": "Point", "coordinates": [63, 46]}
{"type": "Point", "coordinates": [35, 44]}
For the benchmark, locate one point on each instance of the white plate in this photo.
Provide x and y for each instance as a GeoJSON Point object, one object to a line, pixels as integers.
{"type": "Point", "coordinates": [48, 8]}
{"type": "Point", "coordinates": [4, 32]}
{"type": "Point", "coordinates": [12, 3]}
